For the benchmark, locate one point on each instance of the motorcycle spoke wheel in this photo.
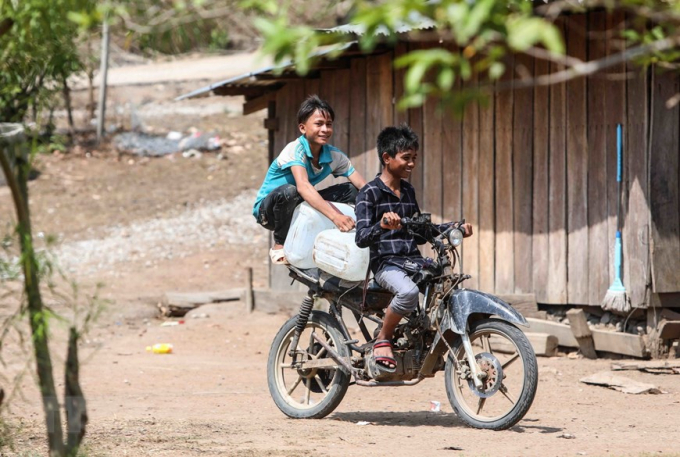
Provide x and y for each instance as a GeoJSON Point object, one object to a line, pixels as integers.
{"type": "Point", "coordinates": [508, 362]}
{"type": "Point", "coordinates": [307, 392]}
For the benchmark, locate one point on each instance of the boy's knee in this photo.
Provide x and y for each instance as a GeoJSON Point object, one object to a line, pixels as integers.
{"type": "Point", "coordinates": [406, 301]}
{"type": "Point", "coordinates": [289, 192]}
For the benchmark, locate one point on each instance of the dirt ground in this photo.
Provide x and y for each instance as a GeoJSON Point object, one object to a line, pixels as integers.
{"type": "Point", "coordinates": [210, 396]}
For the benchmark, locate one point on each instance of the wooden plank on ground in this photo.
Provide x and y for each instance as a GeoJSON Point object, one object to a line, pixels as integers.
{"type": "Point", "coordinates": [471, 185]}
{"type": "Point", "coordinates": [664, 181]}
{"type": "Point", "coordinates": [562, 331]}
{"type": "Point", "coordinates": [178, 304]}
{"type": "Point", "coordinates": [577, 169]}
{"type": "Point", "coordinates": [540, 206]}
{"type": "Point", "coordinates": [598, 94]}
{"type": "Point", "coordinates": [582, 333]}
{"type": "Point", "coordinates": [615, 342]}
{"type": "Point", "coordinates": [636, 268]}
{"type": "Point", "coordinates": [357, 120]}
{"type": "Point", "coordinates": [522, 172]}
{"type": "Point", "coordinates": [487, 191]}
{"type": "Point", "coordinates": [543, 344]}
{"type": "Point", "coordinates": [379, 94]}
{"type": "Point", "coordinates": [505, 262]}
{"type": "Point", "coordinates": [619, 343]}
{"type": "Point", "coordinates": [651, 365]}
{"type": "Point", "coordinates": [556, 292]}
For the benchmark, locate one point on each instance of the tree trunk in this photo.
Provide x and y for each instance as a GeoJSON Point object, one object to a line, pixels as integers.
{"type": "Point", "coordinates": [66, 91]}
{"type": "Point", "coordinates": [13, 159]}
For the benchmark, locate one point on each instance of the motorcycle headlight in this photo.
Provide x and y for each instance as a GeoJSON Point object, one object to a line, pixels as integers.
{"type": "Point", "coordinates": [455, 237]}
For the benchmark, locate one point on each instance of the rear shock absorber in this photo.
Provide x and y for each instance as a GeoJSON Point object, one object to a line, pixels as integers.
{"type": "Point", "coordinates": [303, 317]}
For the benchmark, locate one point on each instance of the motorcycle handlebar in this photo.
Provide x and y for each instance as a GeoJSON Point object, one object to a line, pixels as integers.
{"type": "Point", "coordinates": [406, 221]}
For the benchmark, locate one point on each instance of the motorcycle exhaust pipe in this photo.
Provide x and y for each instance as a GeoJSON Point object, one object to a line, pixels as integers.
{"type": "Point", "coordinates": [388, 383]}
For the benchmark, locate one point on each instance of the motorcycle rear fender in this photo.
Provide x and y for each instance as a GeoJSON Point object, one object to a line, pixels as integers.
{"type": "Point", "coordinates": [465, 302]}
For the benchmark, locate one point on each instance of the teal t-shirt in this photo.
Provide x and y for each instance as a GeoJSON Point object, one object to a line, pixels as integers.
{"type": "Point", "coordinates": [331, 160]}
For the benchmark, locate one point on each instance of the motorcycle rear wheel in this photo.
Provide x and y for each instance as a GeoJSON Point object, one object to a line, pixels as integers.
{"type": "Point", "coordinates": [311, 393]}
{"type": "Point", "coordinates": [506, 356]}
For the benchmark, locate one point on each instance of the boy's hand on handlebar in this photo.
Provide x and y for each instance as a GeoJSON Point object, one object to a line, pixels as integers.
{"type": "Point", "coordinates": [390, 221]}
{"type": "Point", "coordinates": [343, 223]}
{"type": "Point", "coordinates": [467, 229]}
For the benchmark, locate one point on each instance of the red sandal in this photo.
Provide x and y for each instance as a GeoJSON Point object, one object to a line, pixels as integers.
{"type": "Point", "coordinates": [382, 363]}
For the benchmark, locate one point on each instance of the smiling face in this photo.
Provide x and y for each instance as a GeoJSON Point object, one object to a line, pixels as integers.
{"type": "Point", "coordinates": [317, 129]}
{"type": "Point", "coordinates": [402, 164]}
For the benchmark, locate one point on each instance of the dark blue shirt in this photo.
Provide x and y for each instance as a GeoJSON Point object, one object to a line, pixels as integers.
{"type": "Point", "coordinates": [394, 247]}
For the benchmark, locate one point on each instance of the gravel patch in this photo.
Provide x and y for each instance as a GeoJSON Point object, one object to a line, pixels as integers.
{"type": "Point", "coordinates": [207, 227]}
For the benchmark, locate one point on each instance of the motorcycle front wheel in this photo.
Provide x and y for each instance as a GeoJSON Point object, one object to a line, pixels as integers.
{"type": "Point", "coordinates": [309, 393]}
{"type": "Point", "coordinates": [508, 361]}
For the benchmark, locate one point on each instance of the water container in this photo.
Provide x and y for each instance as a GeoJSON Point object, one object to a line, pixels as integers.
{"type": "Point", "coordinates": [306, 224]}
{"type": "Point", "coordinates": [335, 252]}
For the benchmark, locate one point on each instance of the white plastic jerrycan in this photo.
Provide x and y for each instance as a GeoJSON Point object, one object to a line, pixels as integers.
{"type": "Point", "coordinates": [335, 252]}
{"type": "Point", "coordinates": [306, 224]}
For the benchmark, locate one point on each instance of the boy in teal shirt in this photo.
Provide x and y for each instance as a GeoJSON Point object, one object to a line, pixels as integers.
{"type": "Point", "coordinates": [301, 165]}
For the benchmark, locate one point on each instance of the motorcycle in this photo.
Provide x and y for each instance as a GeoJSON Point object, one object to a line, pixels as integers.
{"type": "Point", "coordinates": [489, 366]}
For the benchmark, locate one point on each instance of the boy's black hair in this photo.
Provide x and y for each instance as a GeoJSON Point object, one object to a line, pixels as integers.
{"type": "Point", "coordinates": [311, 104]}
{"type": "Point", "coordinates": [396, 139]}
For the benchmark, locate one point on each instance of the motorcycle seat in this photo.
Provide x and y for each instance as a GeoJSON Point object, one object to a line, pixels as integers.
{"type": "Point", "coordinates": [334, 284]}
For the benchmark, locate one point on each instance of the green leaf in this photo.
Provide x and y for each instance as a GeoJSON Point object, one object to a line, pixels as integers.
{"type": "Point", "coordinates": [523, 33]}
{"type": "Point", "coordinates": [496, 70]}
{"type": "Point", "coordinates": [445, 79]}
{"type": "Point", "coordinates": [414, 76]}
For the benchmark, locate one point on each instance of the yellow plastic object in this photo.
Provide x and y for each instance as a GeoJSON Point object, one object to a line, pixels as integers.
{"type": "Point", "coordinates": [160, 348]}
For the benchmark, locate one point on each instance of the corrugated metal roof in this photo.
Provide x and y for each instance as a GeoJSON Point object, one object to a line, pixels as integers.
{"type": "Point", "coordinates": [414, 21]}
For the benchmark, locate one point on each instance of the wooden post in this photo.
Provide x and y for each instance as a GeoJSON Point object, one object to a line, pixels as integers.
{"type": "Point", "coordinates": [104, 68]}
{"type": "Point", "coordinates": [580, 329]}
{"type": "Point", "coordinates": [250, 303]}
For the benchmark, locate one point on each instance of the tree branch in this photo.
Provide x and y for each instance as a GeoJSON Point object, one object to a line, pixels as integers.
{"type": "Point", "coordinates": [589, 68]}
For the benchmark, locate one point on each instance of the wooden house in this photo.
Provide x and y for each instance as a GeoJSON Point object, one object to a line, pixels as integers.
{"type": "Point", "coordinates": [534, 170]}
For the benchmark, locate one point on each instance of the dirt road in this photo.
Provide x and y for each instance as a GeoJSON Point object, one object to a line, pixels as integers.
{"type": "Point", "coordinates": [210, 396]}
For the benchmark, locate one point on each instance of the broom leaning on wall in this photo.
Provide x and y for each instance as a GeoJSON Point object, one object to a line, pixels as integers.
{"type": "Point", "coordinates": [616, 299]}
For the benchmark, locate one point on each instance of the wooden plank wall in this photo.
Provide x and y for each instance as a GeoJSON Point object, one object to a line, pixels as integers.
{"type": "Point", "coordinates": [636, 266]}
{"type": "Point", "coordinates": [663, 181]}
{"type": "Point", "coordinates": [557, 190]}
{"type": "Point", "coordinates": [598, 96]}
{"type": "Point", "coordinates": [534, 170]}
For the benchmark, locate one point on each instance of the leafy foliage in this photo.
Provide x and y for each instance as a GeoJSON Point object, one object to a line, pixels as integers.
{"type": "Point", "coordinates": [37, 53]}
{"type": "Point", "coordinates": [482, 32]}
